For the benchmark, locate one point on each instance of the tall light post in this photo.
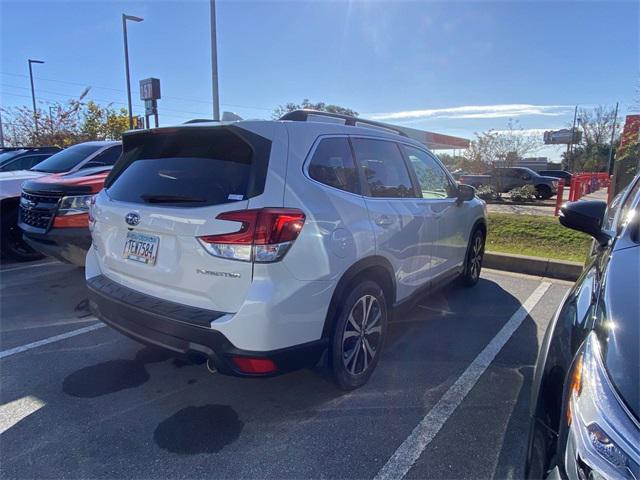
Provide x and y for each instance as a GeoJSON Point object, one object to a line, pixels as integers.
{"type": "Point", "coordinates": [33, 94]}
{"type": "Point", "coordinates": [214, 62]}
{"type": "Point", "coordinates": [126, 61]}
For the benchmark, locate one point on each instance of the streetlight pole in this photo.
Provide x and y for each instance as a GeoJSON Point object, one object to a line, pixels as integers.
{"type": "Point", "coordinates": [126, 61]}
{"type": "Point", "coordinates": [214, 62]}
{"type": "Point", "coordinates": [33, 94]}
{"type": "Point", "coordinates": [613, 136]}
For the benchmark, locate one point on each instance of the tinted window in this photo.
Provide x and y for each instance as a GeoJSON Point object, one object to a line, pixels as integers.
{"type": "Point", "coordinates": [190, 167]}
{"type": "Point", "coordinates": [66, 159]}
{"type": "Point", "coordinates": [25, 163]}
{"type": "Point", "coordinates": [6, 156]}
{"type": "Point", "coordinates": [433, 181]}
{"type": "Point", "coordinates": [384, 168]}
{"type": "Point", "coordinates": [333, 165]}
{"type": "Point", "coordinates": [106, 158]}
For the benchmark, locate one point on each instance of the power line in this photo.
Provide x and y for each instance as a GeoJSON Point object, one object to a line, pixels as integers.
{"type": "Point", "coordinates": [122, 91]}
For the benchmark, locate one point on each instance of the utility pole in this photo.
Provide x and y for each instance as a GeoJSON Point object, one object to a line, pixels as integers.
{"type": "Point", "coordinates": [613, 134]}
{"type": "Point", "coordinates": [1, 131]}
{"type": "Point", "coordinates": [126, 61]}
{"type": "Point", "coordinates": [573, 136]}
{"type": "Point", "coordinates": [33, 95]}
{"type": "Point", "coordinates": [214, 62]}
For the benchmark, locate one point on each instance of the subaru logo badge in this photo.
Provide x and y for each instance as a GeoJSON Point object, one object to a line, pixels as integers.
{"type": "Point", "coordinates": [132, 218]}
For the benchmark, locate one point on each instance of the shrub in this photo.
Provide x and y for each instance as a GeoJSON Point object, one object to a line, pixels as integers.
{"type": "Point", "coordinates": [486, 192]}
{"type": "Point", "coordinates": [526, 193]}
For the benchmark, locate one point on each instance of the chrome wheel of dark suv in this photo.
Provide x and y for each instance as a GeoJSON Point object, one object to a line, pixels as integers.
{"type": "Point", "coordinates": [359, 331]}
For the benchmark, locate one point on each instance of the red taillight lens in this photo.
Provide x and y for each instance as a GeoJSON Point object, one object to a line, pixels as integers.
{"type": "Point", "coordinates": [264, 235]}
{"type": "Point", "coordinates": [259, 366]}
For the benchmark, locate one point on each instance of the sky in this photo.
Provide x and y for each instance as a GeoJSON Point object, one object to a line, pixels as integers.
{"type": "Point", "coordinates": [451, 67]}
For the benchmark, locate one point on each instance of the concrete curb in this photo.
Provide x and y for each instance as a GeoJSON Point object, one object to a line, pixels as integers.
{"type": "Point", "coordinates": [542, 267]}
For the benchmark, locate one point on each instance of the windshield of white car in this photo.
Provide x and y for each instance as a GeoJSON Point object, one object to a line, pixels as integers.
{"type": "Point", "coordinates": [66, 159]}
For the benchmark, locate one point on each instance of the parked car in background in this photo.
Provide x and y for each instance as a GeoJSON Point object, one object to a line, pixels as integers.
{"type": "Point", "coordinates": [72, 159]}
{"type": "Point", "coordinates": [54, 213]}
{"type": "Point", "coordinates": [585, 406]}
{"type": "Point", "coordinates": [566, 176]}
{"type": "Point", "coordinates": [260, 245]}
{"type": "Point", "coordinates": [24, 158]}
{"type": "Point", "coordinates": [506, 179]}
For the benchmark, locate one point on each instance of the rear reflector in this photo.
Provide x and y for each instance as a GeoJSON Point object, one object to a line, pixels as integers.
{"type": "Point", "coordinates": [255, 365]}
{"type": "Point", "coordinates": [265, 234]}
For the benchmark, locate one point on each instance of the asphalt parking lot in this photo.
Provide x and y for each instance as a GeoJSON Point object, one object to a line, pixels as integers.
{"type": "Point", "coordinates": [449, 398]}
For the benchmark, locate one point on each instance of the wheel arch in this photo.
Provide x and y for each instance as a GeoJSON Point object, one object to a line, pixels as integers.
{"type": "Point", "coordinates": [376, 268]}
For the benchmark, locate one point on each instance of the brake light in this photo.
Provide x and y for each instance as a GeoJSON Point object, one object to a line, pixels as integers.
{"type": "Point", "coordinates": [265, 234]}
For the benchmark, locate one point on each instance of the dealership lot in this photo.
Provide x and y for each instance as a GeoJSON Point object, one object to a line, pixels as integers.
{"type": "Point", "coordinates": [96, 404]}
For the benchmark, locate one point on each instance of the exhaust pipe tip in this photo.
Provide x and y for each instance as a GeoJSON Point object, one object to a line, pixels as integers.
{"type": "Point", "coordinates": [211, 367]}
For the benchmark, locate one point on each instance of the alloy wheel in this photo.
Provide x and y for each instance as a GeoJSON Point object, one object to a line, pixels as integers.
{"type": "Point", "coordinates": [475, 260]}
{"type": "Point", "coordinates": [362, 334]}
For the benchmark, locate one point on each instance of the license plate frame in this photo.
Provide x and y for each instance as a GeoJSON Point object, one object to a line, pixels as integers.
{"type": "Point", "coordinates": [141, 248]}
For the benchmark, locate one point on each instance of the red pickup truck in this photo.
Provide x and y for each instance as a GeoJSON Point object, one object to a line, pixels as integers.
{"type": "Point", "coordinates": [54, 213]}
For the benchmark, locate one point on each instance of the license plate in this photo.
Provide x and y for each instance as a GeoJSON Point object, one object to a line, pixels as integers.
{"type": "Point", "coordinates": [141, 247]}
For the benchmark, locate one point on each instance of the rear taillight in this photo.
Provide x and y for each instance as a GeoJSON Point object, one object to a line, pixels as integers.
{"type": "Point", "coordinates": [264, 236]}
{"type": "Point", "coordinates": [255, 366]}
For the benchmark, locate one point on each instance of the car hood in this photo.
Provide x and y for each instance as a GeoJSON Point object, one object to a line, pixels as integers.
{"type": "Point", "coordinates": [79, 183]}
{"type": "Point", "coordinates": [620, 330]}
{"type": "Point", "coordinates": [11, 182]}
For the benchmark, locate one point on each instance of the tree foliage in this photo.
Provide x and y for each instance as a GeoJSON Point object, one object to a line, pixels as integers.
{"type": "Point", "coordinates": [307, 105]}
{"type": "Point", "coordinates": [592, 153]}
{"type": "Point", "coordinates": [64, 123]}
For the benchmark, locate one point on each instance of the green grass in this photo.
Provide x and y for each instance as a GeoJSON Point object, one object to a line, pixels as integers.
{"type": "Point", "coordinates": [536, 235]}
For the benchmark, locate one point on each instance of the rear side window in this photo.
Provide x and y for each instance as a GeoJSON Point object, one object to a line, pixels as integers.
{"type": "Point", "coordinates": [190, 167]}
{"type": "Point", "coordinates": [105, 158]}
{"type": "Point", "coordinates": [332, 164]}
{"type": "Point", "coordinates": [384, 169]}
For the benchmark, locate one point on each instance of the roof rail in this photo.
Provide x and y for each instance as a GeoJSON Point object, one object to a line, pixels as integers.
{"type": "Point", "coordinates": [306, 115]}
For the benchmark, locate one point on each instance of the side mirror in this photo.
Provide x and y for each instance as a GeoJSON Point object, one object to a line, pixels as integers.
{"type": "Point", "coordinates": [466, 192]}
{"type": "Point", "coordinates": [586, 216]}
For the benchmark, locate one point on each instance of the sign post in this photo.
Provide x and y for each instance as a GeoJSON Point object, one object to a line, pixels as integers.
{"type": "Point", "coordinates": [150, 94]}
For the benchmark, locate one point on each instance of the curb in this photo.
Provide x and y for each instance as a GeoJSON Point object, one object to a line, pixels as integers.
{"type": "Point", "coordinates": [542, 267]}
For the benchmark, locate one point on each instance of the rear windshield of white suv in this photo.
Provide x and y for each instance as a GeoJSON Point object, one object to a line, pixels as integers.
{"type": "Point", "coordinates": [188, 167]}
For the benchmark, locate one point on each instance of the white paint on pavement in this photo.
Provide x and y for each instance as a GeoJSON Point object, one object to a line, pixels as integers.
{"type": "Point", "coordinates": [13, 412]}
{"type": "Point", "coordinates": [410, 450]}
{"type": "Point", "coordinates": [46, 341]}
{"type": "Point", "coordinates": [25, 267]}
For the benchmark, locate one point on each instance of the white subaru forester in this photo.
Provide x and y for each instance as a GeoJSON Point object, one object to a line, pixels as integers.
{"type": "Point", "coordinates": [259, 245]}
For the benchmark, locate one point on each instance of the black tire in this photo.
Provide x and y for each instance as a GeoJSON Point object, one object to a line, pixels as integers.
{"type": "Point", "coordinates": [13, 246]}
{"type": "Point", "coordinates": [473, 260]}
{"type": "Point", "coordinates": [354, 355]}
{"type": "Point", "coordinates": [543, 192]}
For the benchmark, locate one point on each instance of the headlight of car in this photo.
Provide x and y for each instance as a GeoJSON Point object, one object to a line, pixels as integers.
{"type": "Point", "coordinates": [602, 441]}
{"type": "Point", "coordinates": [74, 205]}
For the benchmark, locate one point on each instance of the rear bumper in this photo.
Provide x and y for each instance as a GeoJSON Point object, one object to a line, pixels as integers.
{"type": "Point", "coordinates": [183, 330]}
{"type": "Point", "coordinates": [69, 245]}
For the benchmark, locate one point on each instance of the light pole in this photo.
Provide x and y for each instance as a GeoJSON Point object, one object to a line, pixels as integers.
{"type": "Point", "coordinates": [214, 62]}
{"type": "Point", "coordinates": [126, 61]}
{"type": "Point", "coordinates": [33, 94]}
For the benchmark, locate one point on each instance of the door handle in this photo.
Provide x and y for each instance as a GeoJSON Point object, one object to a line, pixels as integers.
{"type": "Point", "coordinates": [384, 221]}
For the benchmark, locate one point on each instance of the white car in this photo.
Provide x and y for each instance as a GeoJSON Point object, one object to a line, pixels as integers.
{"type": "Point", "coordinates": [78, 157]}
{"type": "Point", "coordinates": [259, 245]}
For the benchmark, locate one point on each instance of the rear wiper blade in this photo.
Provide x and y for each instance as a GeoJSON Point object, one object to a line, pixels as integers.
{"type": "Point", "coordinates": [171, 199]}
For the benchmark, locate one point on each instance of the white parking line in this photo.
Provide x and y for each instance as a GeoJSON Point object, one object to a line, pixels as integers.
{"type": "Point", "coordinates": [46, 341]}
{"type": "Point", "coordinates": [24, 267]}
{"type": "Point", "coordinates": [411, 449]}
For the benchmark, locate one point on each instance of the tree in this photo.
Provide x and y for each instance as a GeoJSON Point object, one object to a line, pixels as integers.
{"type": "Point", "coordinates": [592, 152]}
{"type": "Point", "coordinates": [307, 105]}
{"type": "Point", "coordinates": [64, 124]}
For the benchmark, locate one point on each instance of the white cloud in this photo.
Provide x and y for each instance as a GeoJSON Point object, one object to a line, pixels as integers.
{"type": "Point", "coordinates": [477, 111]}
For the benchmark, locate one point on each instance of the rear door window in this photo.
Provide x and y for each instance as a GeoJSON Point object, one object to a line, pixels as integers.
{"type": "Point", "coordinates": [332, 164]}
{"type": "Point", "coordinates": [384, 169]}
{"type": "Point", "coordinates": [190, 167]}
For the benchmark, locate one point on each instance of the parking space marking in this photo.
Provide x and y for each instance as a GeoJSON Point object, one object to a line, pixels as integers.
{"type": "Point", "coordinates": [46, 341]}
{"type": "Point", "coordinates": [13, 412]}
{"type": "Point", "coordinates": [410, 450]}
{"type": "Point", "coordinates": [25, 267]}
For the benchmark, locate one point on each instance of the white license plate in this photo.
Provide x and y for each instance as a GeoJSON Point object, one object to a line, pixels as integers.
{"type": "Point", "coordinates": [141, 247]}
